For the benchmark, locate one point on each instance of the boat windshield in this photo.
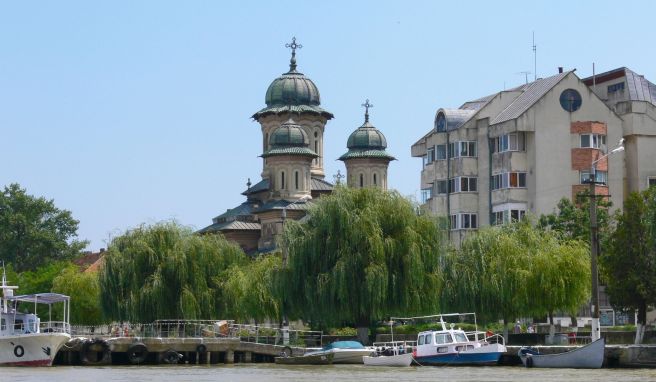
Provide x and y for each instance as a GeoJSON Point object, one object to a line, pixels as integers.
{"type": "Point", "coordinates": [460, 337]}
{"type": "Point", "coordinates": [344, 345]}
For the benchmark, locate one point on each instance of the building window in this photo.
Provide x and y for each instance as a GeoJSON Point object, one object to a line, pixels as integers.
{"type": "Point", "coordinates": [601, 177]}
{"type": "Point", "coordinates": [616, 88]}
{"type": "Point", "coordinates": [594, 141]}
{"type": "Point", "coordinates": [462, 149]}
{"type": "Point", "coordinates": [430, 155]}
{"type": "Point", "coordinates": [464, 221]}
{"type": "Point", "coordinates": [296, 179]}
{"type": "Point", "coordinates": [508, 180]}
{"type": "Point", "coordinates": [463, 184]}
{"type": "Point", "coordinates": [509, 142]}
{"type": "Point", "coordinates": [440, 152]}
{"type": "Point", "coordinates": [375, 180]}
{"type": "Point", "coordinates": [282, 180]}
{"type": "Point", "coordinates": [361, 180]}
{"type": "Point", "coordinates": [505, 216]}
{"type": "Point", "coordinates": [424, 160]}
{"type": "Point", "coordinates": [651, 181]}
{"type": "Point", "coordinates": [440, 187]}
{"type": "Point", "coordinates": [426, 193]}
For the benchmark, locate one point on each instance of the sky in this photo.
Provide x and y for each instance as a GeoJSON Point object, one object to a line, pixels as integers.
{"type": "Point", "coordinates": [135, 112]}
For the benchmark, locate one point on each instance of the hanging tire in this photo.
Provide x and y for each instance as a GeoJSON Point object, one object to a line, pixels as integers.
{"type": "Point", "coordinates": [201, 349]}
{"type": "Point", "coordinates": [286, 351]}
{"type": "Point", "coordinates": [171, 357]}
{"type": "Point", "coordinates": [96, 352]}
{"type": "Point", "coordinates": [137, 353]}
{"type": "Point", "coordinates": [529, 360]}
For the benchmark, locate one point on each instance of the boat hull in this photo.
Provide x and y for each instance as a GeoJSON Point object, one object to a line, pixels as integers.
{"type": "Point", "coordinates": [38, 349]}
{"type": "Point", "coordinates": [399, 360]}
{"type": "Point", "coordinates": [312, 359]}
{"type": "Point", "coordinates": [460, 359]}
{"type": "Point", "coordinates": [590, 356]}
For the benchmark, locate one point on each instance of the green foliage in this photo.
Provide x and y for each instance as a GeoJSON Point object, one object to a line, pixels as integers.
{"type": "Point", "coordinates": [165, 271]}
{"type": "Point", "coordinates": [629, 263]}
{"type": "Point", "coordinates": [84, 290]}
{"type": "Point", "coordinates": [41, 279]}
{"type": "Point", "coordinates": [344, 332]}
{"type": "Point", "coordinates": [362, 255]}
{"type": "Point", "coordinates": [516, 270]}
{"type": "Point", "coordinates": [33, 231]}
{"type": "Point", "coordinates": [572, 221]}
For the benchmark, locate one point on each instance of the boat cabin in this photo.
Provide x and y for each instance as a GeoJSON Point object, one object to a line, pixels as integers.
{"type": "Point", "coordinates": [19, 323]}
{"type": "Point", "coordinates": [444, 341]}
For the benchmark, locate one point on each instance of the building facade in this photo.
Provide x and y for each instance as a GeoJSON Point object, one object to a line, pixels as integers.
{"type": "Point", "coordinates": [521, 150]}
{"type": "Point", "coordinates": [293, 124]}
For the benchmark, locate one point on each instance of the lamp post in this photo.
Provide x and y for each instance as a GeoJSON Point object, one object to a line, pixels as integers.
{"type": "Point", "coordinates": [285, 323]}
{"type": "Point", "coordinates": [594, 242]}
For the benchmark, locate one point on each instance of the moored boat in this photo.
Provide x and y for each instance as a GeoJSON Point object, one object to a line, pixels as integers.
{"type": "Point", "coordinates": [25, 340]}
{"type": "Point", "coordinates": [345, 351]}
{"type": "Point", "coordinates": [390, 354]}
{"type": "Point", "coordinates": [307, 359]}
{"type": "Point", "coordinates": [590, 356]}
{"type": "Point", "coordinates": [451, 346]}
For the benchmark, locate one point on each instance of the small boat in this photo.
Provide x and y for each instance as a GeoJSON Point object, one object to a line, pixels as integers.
{"type": "Point", "coordinates": [25, 340]}
{"type": "Point", "coordinates": [390, 354]}
{"type": "Point", "coordinates": [345, 351]}
{"type": "Point", "coordinates": [307, 359]}
{"type": "Point", "coordinates": [590, 356]}
{"type": "Point", "coordinates": [450, 346]}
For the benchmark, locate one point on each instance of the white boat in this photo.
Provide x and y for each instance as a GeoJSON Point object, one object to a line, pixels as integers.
{"type": "Point", "coordinates": [345, 351]}
{"type": "Point", "coordinates": [390, 354]}
{"type": "Point", "coordinates": [590, 356]}
{"type": "Point", "coordinates": [24, 339]}
{"type": "Point", "coordinates": [451, 346]}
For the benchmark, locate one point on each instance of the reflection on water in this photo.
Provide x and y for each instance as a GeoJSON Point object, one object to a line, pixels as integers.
{"type": "Point", "coordinates": [359, 373]}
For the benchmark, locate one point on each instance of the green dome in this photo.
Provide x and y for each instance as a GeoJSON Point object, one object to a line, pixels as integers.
{"type": "Point", "coordinates": [289, 134]}
{"type": "Point", "coordinates": [292, 88]}
{"type": "Point", "coordinates": [366, 137]}
{"type": "Point", "coordinates": [289, 139]}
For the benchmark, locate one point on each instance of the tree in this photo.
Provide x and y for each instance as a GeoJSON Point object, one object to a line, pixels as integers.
{"type": "Point", "coordinates": [501, 273]}
{"type": "Point", "coordinates": [33, 231]}
{"type": "Point", "coordinates": [84, 290]}
{"type": "Point", "coordinates": [362, 255]}
{"type": "Point", "coordinates": [629, 264]}
{"type": "Point", "coordinates": [572, 221]}
{"type": "Point", "coordinates": [165, 271]}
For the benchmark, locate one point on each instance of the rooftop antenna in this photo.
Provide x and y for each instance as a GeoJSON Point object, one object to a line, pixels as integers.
{"type": "Point", "coordinates": [594, 78]}
{"type": "Point", "coordinates": [525, 73]}
{"type": "Point", "coordinates": [535, 58]}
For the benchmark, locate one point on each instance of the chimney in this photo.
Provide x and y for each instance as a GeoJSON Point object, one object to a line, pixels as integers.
{"type": "Point", "coordinates": [560, 69]}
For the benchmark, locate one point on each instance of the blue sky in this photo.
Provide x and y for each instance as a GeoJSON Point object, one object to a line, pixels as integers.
{"type": "Point", "coordinates": [130, 112]}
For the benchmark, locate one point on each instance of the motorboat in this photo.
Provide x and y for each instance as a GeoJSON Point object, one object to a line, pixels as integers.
{"type": "Point", "coordinates": [307, 359]}
{"type": "Point", "coordinates": [395, 353]}
{"type": "Point", "coordinates": [345, 351]}
{"type": "Point", "coordinates": [453, 346]}
{"type": "Point", "coordinates": [25, 340]}
{"type": "Point", "coordinates": [590, 356]}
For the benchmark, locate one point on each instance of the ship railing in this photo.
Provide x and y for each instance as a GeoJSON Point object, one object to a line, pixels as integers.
{"type": "Point", "coordinates": [488, 337]}
{"type": "Point", "coordinates": [394, 347]}
{"type": "Point", "coordinates": [55, 327]}
{"type": "Point", "coordinates": [157, 329]}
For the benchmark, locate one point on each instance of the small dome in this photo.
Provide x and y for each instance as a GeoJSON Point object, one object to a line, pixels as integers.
{"type": "Point", "coordinates": [292, 88]}
{"type": "Point", "coordinates": [289, 134]}
{"type": "Point", "coordinates": [366, 137]}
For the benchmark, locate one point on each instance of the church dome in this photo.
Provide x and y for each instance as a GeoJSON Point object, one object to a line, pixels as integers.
{"type": "Point", "coordinates": [292, 92]}
{"type": "Point", "coordinates": [366, 137]}
{"type": "Point", "coordinates": [289, 139]}
{"type": "Point", "coordinates": [289, 134]}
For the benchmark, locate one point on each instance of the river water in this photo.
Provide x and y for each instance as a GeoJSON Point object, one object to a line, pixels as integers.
{"type": "Point", "coordinates": [359, 373]}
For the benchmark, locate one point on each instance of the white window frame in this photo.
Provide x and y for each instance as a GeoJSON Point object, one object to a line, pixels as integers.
{"type": "Point", "coordinates": [462, 149]}
{"type": "Point", "coordinates": [464, 220]}
{"type": "Point", "coordinates": [595, 141]}
{"type": "Point", "coordinates": [509, 142]}
{"type": "Point", "coordinates": [437, 184]}
{"type": "Point", "coordinates": [502, 213]}
{"type": "Point", "coordinates": [426, 194]}
{"type": "Point", "coordinates": [601, 177]}
{"type": "Point", "coordinates": [441, 149]}
{"type": "Point", "coordinates": [502, 180]}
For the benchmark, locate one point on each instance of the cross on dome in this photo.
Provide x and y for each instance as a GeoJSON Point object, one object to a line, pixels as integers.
{"type": "Point", "coordinates": [366, 106]}
{"type": "Point", "coordinates": [294, 46]}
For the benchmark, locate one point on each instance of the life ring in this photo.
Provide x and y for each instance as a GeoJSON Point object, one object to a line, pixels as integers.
{"type": "Point", "coordinates": [96, 352]}
{"type": "Point", "coordinates": [201, 349]}
{"type": "Point", "coordinates": [137, 353]}
{"type": "Point", "coordinates": [19, 351]}
{"type": "Point", "coordinates": [171, 357]}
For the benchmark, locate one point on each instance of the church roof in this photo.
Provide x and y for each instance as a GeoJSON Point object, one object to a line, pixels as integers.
{"type": "Point", "coordinates": [366, 141]}
{"type": "Point", "coordinates": [359, 153]}
{"type": "Point", "coordinates": [316, 184]}
{"type": "Point", "coordinates": [234, 225]}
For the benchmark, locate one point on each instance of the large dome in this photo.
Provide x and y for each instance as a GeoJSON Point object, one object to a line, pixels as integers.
{"type": "Point", "coordinates": [289, 139]}
{"type": "Point", "coordinates": [292, 88]}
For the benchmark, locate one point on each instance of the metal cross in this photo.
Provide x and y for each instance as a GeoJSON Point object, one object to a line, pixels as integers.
{"type": "Point", "coordinates": [248, 184]}
{"type": "Point", "coordinates": [338, 177]}
{"type": "Point", "coordinates": [366, 106]}
{"type": "Point", "coordinates": [294, 46]}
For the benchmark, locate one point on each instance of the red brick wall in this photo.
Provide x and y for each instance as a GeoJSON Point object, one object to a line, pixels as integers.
{"type": "Point", "coordinates": [588, 127]}
{"type": "Point", "coordinates": [599, 190]}
{"type": "Point", "coordinates": [582, 159]}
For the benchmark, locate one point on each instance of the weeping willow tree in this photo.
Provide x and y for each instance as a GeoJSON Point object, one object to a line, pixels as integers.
{"type": "Point", "coordinates": [249, 290]}
{"type": "Point", "coordinates": [165, 271]}
{"type": "Point", "coordinates": [362, 255]}
{"type": "Point", "coordinates": [516, 270]}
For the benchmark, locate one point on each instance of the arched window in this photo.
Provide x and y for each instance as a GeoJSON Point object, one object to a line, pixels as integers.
{"type": "Point", "coordinates": [296, 179]}
{"type": "Point", "coordinates": [282, 180]}
{"type": "Point", "coordinates": [375, 180]}
{"type": "Point", "coordinates": [361, 180]}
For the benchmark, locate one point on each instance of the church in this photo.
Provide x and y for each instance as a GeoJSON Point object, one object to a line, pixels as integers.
{"type": "Point", "coordinates": [293, 124]}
